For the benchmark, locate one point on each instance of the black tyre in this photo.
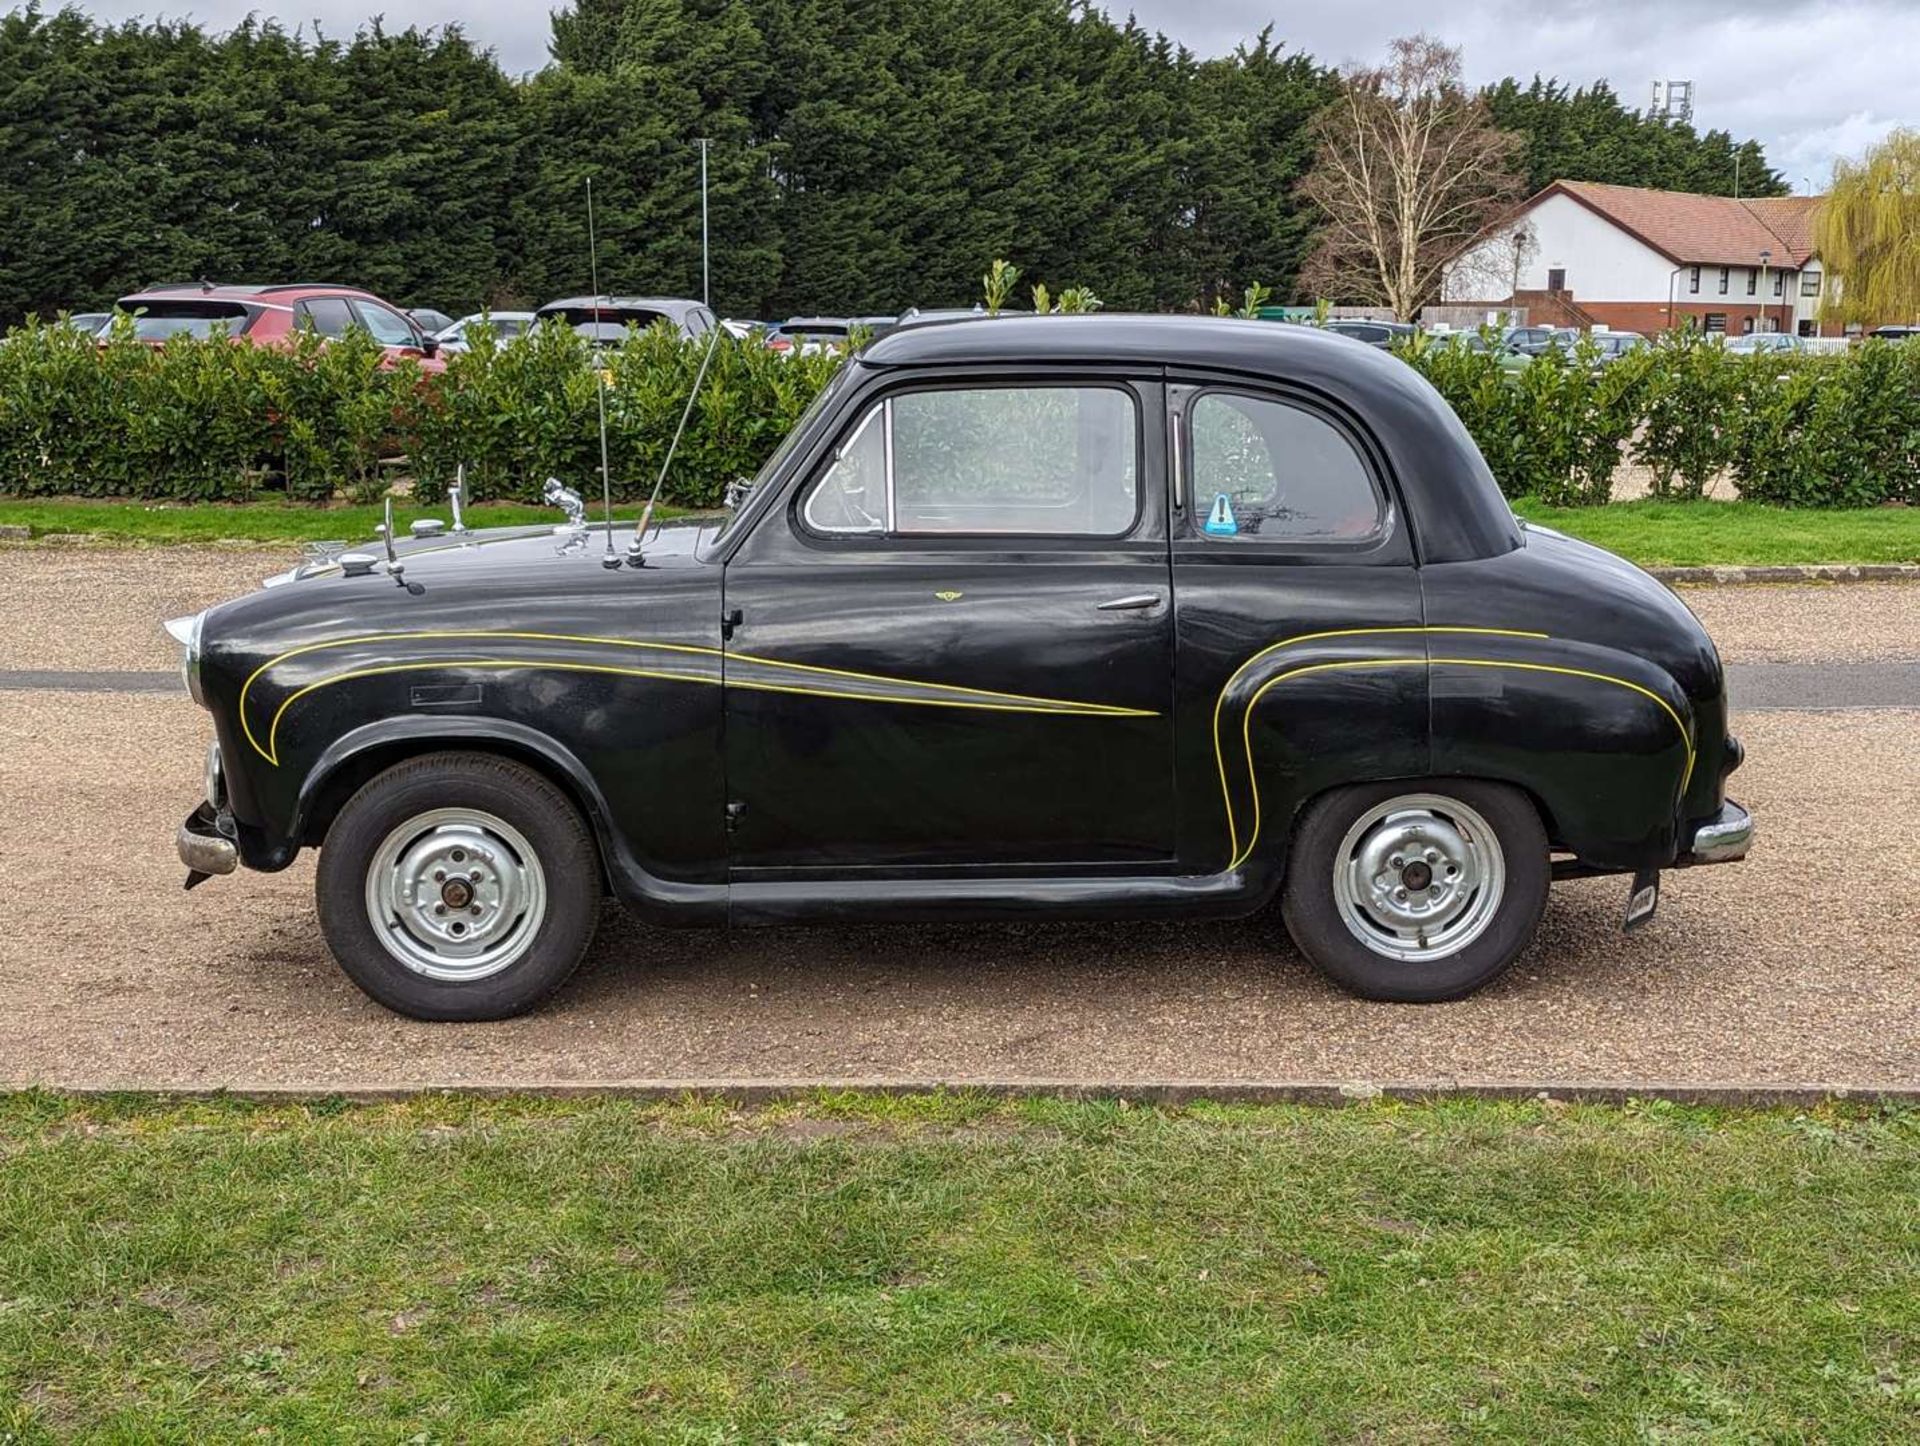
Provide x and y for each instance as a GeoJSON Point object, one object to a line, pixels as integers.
{"type": "Point", "coordinates": [1416, 891]}
{"type": "Point", "coordinates": [458, 886]}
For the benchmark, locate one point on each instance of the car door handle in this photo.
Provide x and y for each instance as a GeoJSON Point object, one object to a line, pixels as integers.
{"type": "Point", "coordinates": [1131, 604]}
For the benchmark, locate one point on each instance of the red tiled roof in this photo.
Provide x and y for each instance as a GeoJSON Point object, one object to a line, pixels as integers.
{"type": "Point", "coordinates": [1714, 230]}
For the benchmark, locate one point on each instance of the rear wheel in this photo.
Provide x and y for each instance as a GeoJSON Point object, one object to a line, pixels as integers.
{"type": "Point", "coordinates": [1417, 892]}
{"type": "Point", "coordinates": [458, 886]}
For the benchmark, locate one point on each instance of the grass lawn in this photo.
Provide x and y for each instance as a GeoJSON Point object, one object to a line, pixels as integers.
{"type": "Point", "coordinates": [1653, 534]}
{"type": "Point", "coordinates": [169, 522]}
{"type": "Point", "coordinates": [1694, 534]}
{"type": "Point", "coordinates": [954, 1269]}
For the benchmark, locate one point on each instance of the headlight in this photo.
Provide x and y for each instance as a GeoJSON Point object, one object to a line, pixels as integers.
{"type": "Point", "coordinates": [215, 777]}
{"type": "Point", "coordinates": [186, 632]}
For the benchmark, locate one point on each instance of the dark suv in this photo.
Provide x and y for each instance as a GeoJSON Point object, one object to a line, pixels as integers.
{"type": "Point", "coordinates": [269, 315]}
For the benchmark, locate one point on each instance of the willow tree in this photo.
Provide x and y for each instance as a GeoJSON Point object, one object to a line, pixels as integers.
{"type": "Point", "coordinates": [1868, 235]}
{"type": "Point", "coordinates": [1409, 169]}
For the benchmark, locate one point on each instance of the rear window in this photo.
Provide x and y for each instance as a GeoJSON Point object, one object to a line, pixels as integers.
{"type": "Point", "coordinates": [617, 317]}
{"type": "Point", "coordinates": [159, 320]}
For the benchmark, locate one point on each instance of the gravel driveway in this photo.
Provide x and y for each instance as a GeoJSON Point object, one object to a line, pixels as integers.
{"type": "Point", "coordinates": [1799, 967]}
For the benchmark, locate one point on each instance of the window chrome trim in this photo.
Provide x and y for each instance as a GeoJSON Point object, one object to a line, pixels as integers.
{"type": "Point", "coordinates": [891, 514]}
{"type": "Point", "coordinates": [1128, 389]}
{"type": "Point", "coordinates": [840, 454]}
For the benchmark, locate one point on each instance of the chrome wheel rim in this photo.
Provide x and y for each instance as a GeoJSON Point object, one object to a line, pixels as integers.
{"type": "Point", "coordinates": [1419, 877]}
{"type": "Point", "coordinates": [456, 894]}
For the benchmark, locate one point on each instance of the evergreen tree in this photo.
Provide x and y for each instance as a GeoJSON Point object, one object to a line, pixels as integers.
{"type": "Point", "coordinates": [867, 155]}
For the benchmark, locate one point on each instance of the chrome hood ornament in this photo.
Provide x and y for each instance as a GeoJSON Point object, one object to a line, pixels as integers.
{"type": "Point", "coordinates": [572, 532]}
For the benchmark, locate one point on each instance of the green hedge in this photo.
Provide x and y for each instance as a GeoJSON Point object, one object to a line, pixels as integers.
{"type": "Point", "coordinates": [1833, 430]}
{"type": "Point", "coordinates": [206, 419]}
{"type": "Point", "coordinates": [212, 420]}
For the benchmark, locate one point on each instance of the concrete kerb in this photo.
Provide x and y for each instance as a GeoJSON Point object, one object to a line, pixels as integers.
{"type": "Point", "coordinates": [1798, 572]}
{"type": "Point", "coordinates": [1171, 1093]}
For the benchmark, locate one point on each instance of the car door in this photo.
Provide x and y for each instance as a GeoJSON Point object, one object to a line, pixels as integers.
{"type": "Point", "coordinates": [952, 641]}
{"type": "Point", "coordinates": [1300, 626]}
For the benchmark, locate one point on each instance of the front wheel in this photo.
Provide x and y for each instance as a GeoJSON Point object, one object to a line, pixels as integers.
{"type": "Point", "coordinates": [1419, 892]}
{"type": "Point", "coordinates": [458, 886]}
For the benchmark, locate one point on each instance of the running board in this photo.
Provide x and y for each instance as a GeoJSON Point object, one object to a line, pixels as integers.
{"type": "Point", "coordinates": [949, 900]}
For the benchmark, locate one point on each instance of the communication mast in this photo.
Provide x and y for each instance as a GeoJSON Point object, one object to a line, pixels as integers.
{"type": "Point", "coordinates": [1672, 100]}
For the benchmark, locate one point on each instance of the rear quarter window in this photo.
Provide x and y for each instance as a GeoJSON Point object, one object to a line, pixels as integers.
{"type": "Point", "coordinates": [1269, 471]}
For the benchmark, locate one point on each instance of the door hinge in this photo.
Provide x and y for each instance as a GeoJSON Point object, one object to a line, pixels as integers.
{"type": "Point", "coordinates": [729, 620]}
{"type": "Point", "coordinates": [734, 810]}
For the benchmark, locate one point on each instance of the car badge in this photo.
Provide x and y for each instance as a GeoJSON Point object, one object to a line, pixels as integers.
{"type": "Point", "coordinates": [949, 596]}
{"type": "Point", "coordinates": [1220, 521]}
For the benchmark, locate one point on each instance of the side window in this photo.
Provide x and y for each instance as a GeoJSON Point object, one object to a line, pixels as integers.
{"type": "Point", "coordinates": [389, 328]}
{"type": "Point", "coordinates": [1268, 471]}
{"type": "Point", "coordinates": [328, 315]}
{"type": "Point", "coordinates": [1033, 461]}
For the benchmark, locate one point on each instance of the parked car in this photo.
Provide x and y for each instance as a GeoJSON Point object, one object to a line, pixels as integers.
{"type": "Point", "coordinates": [744, 328]}
{"type": "Point", "coordinates": [1895, 333]}
{"type": "Point", "coordinates": [1615, 344]}
{"type": "Point", "coordinates": [920, 316]}
{"type": "Point", "coordinates": [88, 323]}
{"type": "Point", "coordinates": [506, 326]}
{"type": "Point", "coordinates": [806, 335]}
{"type": "Point", "coordinates": [1763, 343]}
{"type": "Point", "coordinates": [1064, 617]}
{"type": "Point", "coordinates": [430, 320]}
{"type": "Point", "coordinates": [604, 320]}
{"type": "Point", "coordinates": [1532, 340]}
{"type": "Point", "coordinates": [1464, 340]}
{"type": "Point", "coordinates": [1382, 334]}
{"type": "Point", "coordinates": [269, 316]}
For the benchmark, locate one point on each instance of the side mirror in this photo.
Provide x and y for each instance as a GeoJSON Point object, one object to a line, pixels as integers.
{"type": "Point", "coordinates": [429, 346]}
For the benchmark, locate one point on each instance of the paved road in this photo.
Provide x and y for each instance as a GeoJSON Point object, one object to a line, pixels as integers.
{"type": "Point", "coordinates": [1801, 966]}
{"type": "Point", "coordinates": [1754, 686]}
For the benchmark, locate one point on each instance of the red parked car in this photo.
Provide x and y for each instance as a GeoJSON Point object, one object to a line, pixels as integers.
{"type": "Point", "coordinates": [268, 315]}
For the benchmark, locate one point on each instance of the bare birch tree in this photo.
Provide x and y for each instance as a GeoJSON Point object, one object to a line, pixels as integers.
{"type": "Point", "coordinates": [1410, 168]}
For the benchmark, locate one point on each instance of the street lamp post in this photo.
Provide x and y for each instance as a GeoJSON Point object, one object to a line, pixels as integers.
{"type": "Point", "coordinates": [706, 285]}
{"type": "Point", "coordinates": [1766, 255]}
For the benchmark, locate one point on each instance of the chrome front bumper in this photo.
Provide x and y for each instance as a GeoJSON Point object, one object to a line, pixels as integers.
{"type": "Point", "coordinates": [1724, 840]}
{"type": "Point", "coordinates": [203, 848]}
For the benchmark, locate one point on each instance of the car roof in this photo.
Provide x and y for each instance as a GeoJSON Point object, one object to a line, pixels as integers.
{"type": "Point", "coordinates": [675, 306]}
{"type": "Point", "coordinates": [224, 292]}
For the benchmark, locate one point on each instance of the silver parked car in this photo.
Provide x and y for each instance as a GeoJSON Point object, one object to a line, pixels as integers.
{"type": "Point", "coordinates": [604, 320]}
{"type": "Point", "coordinates": [506, 326]}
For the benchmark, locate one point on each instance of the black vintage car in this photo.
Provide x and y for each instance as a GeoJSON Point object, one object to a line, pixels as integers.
{"type": "Point", "coordinates": [1102, 616]}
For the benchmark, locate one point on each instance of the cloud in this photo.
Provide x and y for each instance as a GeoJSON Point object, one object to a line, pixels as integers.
{"type": "Point", "coordinates": [1792, 73]}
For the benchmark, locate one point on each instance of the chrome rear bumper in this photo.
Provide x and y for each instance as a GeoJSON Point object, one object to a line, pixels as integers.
{"type": "Point", "coordinates": [1723, 840]}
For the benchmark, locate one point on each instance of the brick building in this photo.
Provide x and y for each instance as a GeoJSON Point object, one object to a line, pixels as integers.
{"type": "Point", "coordinates": [1584, 254]}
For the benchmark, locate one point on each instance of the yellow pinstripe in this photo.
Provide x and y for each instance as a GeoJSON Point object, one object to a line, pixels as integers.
{"type": "Point", "coordinates": [1246, 724]}
{"type": "Point", "coordinates": [1219, 753]}
{"type": "Point", "coordinates": [980, 699]}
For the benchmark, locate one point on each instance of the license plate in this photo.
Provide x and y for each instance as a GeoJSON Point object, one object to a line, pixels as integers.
{"type": "Point", "coordinates": [1642, 899]}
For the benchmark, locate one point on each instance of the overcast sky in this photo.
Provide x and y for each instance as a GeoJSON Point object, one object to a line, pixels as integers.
{"type": "Point", "coordinates": [1811, 79]}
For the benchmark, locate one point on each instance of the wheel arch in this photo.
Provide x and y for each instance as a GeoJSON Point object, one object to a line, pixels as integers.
{"type": "Point", "coordinates": [1414, 783]}
{"type": "Point", "coordinates": [355, 758]}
